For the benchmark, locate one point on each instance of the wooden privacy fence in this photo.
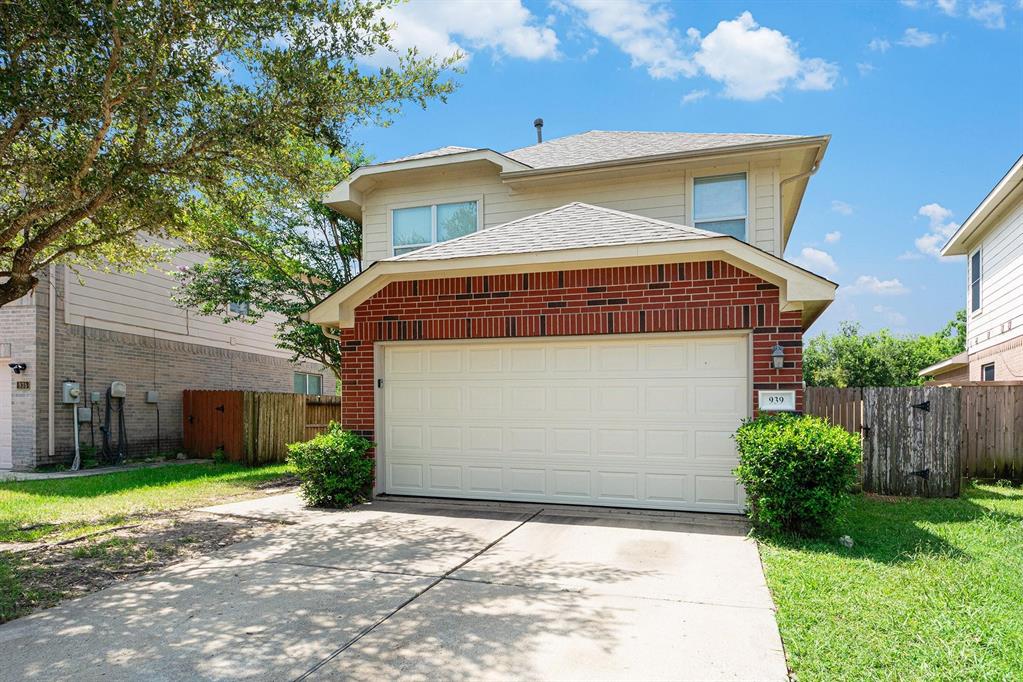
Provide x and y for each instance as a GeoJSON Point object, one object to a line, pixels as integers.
{"type": "Point", "coordinates": [252, 427]}
{"type": "Point", "coordinates": [972, 431]}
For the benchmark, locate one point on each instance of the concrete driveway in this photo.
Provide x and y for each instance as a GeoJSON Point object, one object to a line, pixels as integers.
{"type": "Point", "coordinates": [423, 589]}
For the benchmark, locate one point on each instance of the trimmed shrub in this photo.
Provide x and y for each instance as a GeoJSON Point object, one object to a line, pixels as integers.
{"type": "Point", "coordinates": [797, 471]}
{"type": "Point", "coordinates": [333, 467]}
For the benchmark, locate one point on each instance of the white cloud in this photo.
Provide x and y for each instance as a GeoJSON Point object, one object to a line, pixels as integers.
{"type": "Point", "coordinates": [892, 316]}
{"type": "Point", "coordinates": [751, 61]}
{"type": "Point", "coordinates": [816, 260]}
{"type": "Point", "coordinates": [754, 62]}
{"type": "Point", "coordinates": [841, 207]}
{"type": "Point", "coordinates": [947, 6]}
{"type": "Point", "coordinates": [869, 284]}
{"type": "Point", "coordinates": [865, 68]}
{"type": "Point", "coordinates": [443, 28]}
{"type": "Point", "coordinates": [914, 37]}
{"type": "Point", "coordinates": [910, 255]}
{"type": "Point", "coordinates": [879, 45]}
{"type": "Point", "coordinates": [939, 229]}
{"type": "Point", "coordinates": [990, 13]}
{"type": "Point", "coordinates": [642, 30]}
{"type": "Point", "coordinates": [694, 96]}
{"type": "Point", "coordinates": [832, 237]}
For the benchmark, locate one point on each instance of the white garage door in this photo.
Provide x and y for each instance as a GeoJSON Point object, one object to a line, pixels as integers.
{"type": "Point", "coordinates": [623, 422]}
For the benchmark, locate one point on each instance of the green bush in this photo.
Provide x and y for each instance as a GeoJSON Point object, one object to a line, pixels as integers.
{"type": "Point", "coordinates": [797, 471]}
{"type": "Point", "coordinates": [333, 467]}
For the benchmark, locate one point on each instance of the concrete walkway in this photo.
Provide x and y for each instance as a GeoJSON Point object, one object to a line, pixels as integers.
{"type": "Point", "coordinates": [429, 590]}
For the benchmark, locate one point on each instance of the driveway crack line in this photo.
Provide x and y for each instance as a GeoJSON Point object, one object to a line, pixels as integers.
{"type": "Point", "coordinates": [370, 628]}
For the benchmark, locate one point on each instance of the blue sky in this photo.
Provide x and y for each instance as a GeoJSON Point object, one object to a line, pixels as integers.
{"type": "Point", "coordinates": [924, 101]}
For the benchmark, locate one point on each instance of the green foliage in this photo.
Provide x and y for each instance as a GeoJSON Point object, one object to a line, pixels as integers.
{"type": "Point", "coordinates": [333, 466]}
{"type": "Point", "coordinates": [276, 248]}
{"type": "Point", "coordinates": [115, 116]}
{"type": "Point", "coordinates": [797, 471]}
{"type": "Point", "coordinates": [219, 456]}
{"type": "Point", "coordinates": [854, 358]}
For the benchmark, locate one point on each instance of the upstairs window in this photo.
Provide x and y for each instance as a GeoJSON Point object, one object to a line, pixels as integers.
{"type": "Point", "coordinates": [720, 204]}
{"type": "Point", "coordinates": [414, 228]}
{"type": "Point", "coordinates": [308, 384]}
{"type": "Point", "coordinates": [975, 281]}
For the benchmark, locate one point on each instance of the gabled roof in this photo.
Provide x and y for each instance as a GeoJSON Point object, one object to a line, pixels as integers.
{"type": "Point", "coordinates": [572, 226]}
{"type": "Point", "coordinates": [596, 146]}
{"type": "Point", "coordinates": [963, 239]}
{"type": "Point", "coordinates": [572, 237]}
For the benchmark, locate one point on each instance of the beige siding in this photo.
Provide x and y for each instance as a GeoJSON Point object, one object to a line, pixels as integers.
{"type": "Point", "coordinates": [661, 195]}
{"type": "Point", "coordinates": [765, 210]}
{"type": "Point", "coordinates": [1001, 314]}
{"type": "Point", "coordinates": [141, 304]}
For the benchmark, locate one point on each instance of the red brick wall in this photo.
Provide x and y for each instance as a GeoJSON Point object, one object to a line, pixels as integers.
{"type": "Point", "coordinates": [703, 296]}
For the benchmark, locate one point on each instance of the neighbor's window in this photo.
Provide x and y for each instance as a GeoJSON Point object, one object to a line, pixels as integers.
{"type": "Point", "coordinates": [308, 384]}
{"type": "Point", "coordinates": [239, 309]}
{"type": "Point", "coordinates": [975, 281]}
{"type": "Point", "coordinates": [414, 228]}
{"type": "Point", "coordinates": [987, 372]}
{"type": "Point", "coordinates": [719, 204]}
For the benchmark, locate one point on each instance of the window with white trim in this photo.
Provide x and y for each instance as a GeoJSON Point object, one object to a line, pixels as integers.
{"type": "Point", "coordinates": [987, 372]}
{"type": "Point", "coordinates": [419, 226]}
{"type": "Point", "coordinates": [975, 273]}
{"type": "Point", "coordinates": [308, 384]}
{"type": "Point", "coordinates": [720, 204]}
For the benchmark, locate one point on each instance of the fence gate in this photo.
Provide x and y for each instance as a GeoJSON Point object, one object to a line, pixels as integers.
{"type": "Point", "coordinates": [213, 421]}
{"type": "Point", "coordinates": [911, 441]}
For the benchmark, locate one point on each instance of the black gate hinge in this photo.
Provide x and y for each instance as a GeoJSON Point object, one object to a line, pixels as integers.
{"type": "Point", "coordinates": [925, 406]}
{"type": "Point", "coordinates": [380, 383]}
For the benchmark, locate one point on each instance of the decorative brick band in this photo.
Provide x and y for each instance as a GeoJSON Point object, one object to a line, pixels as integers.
{"type": "Point", "coordinates": [670, 297]}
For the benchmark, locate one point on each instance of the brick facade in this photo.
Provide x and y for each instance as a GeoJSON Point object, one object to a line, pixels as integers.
{"type": "Point", "coordinates": [671, 297]}
{"type": "Point", "coordinates": [96, 357]}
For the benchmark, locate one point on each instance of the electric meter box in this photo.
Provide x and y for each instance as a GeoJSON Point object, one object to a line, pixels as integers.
{"type": "Point", "coordinates": [118, 389]}
{"type": "Point", "coordinates": [152, 396]}
{"type": "Point", "coordinates": [72, 393]}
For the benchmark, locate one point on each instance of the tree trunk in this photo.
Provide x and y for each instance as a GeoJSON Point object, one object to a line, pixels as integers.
{"type": "Point", "coordinates": [16, 286]}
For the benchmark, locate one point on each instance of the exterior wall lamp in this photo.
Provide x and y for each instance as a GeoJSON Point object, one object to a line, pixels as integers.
{"type": "Point", "coordinates": [778, 356]}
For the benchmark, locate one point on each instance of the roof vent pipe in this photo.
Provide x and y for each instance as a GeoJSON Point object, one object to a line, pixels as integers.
{"type": "Point", "coordinates": [538, 124]}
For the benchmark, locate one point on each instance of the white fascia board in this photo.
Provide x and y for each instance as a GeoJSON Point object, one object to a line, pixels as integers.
{"type": "Point", "coordinates": [797, 286]}
{"type": "Point", "coordinates": [974, 224]}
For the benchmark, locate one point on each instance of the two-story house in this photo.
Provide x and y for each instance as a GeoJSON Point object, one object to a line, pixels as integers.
{"type": "Point", "coordinates": [992, 241]}
{"type": "Point", "coordinates": [584, 320]}
{"type": "Point", "coordinates": [95, 328]}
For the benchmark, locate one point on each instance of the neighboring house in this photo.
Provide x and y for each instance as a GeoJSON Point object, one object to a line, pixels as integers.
{"type": "Point", "coordinates": [585, 320]}
{"type": "Point", "coordinates": [992, 241]}
{"type": "Point", "coordinates": [95, 328]}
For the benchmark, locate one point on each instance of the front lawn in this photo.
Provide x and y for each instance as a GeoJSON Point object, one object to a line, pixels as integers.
{"type": "Point", "coordinates": [63, 538]}
{"type": "Point", "coordinates": [932, 589]}
{"type": "Point", "coordinates": [65, 507]}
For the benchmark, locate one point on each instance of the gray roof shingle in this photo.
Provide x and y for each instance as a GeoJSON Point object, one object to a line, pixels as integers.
{"type": "Point", "coordinates": [596, 146]}
{"type": "Point", "coordinates": [440, 151]}
{"type": "Point", "coordinates": [602, 145]}
{"type": "Point", "coordinates": [572, 226]}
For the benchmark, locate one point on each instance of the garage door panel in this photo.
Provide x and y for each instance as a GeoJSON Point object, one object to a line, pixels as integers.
{"type": "Point", "coordinates": [631, 422]}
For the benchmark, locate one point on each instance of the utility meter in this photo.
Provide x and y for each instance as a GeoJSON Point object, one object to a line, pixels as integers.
{"type": "Point", "coordinates": [72, 393]}
{"type": "Point", "coordinates": [118, 389]}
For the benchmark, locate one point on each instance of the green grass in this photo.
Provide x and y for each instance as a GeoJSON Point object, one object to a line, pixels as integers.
{"type": "Point", "coordinates": [932, 590]}
{"type": "Point", "coordinates": [68, 507]}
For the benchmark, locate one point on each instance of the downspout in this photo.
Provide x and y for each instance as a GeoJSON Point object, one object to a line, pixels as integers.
{"type": "Point", "coordinates": [329, 335]}
{"type": "Point", "coordinates": [805, 174]}
{"type": "Point", "coordinates": [50, 369]}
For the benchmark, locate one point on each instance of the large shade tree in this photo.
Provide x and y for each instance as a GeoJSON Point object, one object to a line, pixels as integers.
{"type": "Point", "coordinates": [274, 252]}
{"type": "Point", "coordinates": [116, 114]}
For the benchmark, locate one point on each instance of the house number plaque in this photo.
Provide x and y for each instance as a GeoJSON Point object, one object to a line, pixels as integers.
{"type": "Point", "coordinates": [777, 401]}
